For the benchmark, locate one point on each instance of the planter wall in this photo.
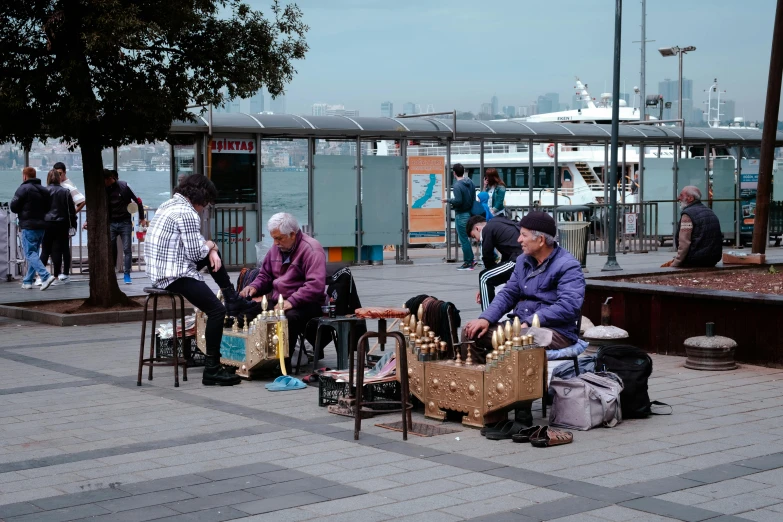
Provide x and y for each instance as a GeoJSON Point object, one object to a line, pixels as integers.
{"type": "Point", "coordinates": [660, 318]}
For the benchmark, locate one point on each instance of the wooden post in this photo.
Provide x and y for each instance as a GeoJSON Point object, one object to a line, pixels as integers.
{"type": "Point", "coordinates": [760, 237]}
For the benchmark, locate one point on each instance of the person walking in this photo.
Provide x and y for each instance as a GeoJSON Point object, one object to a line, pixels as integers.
{"type": "Point", "coordinates": [60, 218]}
{"type": "Point", "coordinates": [496, 189]}
{"type": "Point", "coordinates": [119, 196]}
{"type": "Point", "coordinates": [31, 203]}
{"type": "Point", "coordinates": [464, 197]}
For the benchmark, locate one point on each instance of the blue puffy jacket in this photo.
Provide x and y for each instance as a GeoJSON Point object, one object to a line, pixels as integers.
{"type": "Point", "coordinates": [554, 290]}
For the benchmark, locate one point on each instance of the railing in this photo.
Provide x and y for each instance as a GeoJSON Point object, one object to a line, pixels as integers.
{"type": "Point", "coordinates": [637, 225]}
{"type": "Point", "coordinates": [230, 225]}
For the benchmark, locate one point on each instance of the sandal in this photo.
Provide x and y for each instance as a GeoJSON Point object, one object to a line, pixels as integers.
{"type": "Point", "coordinates": [551, 437]}
{"type": "Point", "coordinates": [526, 434]}
{"type": "Point", "coordinates": [507, 432]}
{"type": "Point", "coordinates": [493, 427]}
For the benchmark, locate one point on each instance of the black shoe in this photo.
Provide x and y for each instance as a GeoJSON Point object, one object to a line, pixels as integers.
{"type": "Point", "coordinates": [216, 374]}
{"type": "Point", "coordinates": [239, 307]}
{"type": "Point", "coordinates": [524, 416]}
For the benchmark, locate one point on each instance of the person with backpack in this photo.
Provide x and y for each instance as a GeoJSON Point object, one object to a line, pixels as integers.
{"type": "Point", "coordinates": [463, 205]}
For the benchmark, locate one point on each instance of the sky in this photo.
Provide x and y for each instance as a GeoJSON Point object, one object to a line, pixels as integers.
{"type": "Point", "coordinates": [456, 54]}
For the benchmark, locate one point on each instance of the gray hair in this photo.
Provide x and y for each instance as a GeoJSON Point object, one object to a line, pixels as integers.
{"type": "Point", "coordinates": [693, 192]}
{"type": "Point", "coordinates": [549, 240]}
{"type": "Point", "coordinates": [283, 222]}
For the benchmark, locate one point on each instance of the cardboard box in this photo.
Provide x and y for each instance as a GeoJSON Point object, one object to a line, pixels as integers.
{"type": "Point", "coordinates": [749, 259]}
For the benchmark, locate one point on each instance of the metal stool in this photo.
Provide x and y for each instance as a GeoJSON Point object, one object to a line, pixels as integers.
{"type": "Point", "coordinates": [402, 374]}
{"type": "Point", "coordinates": [175, 360]}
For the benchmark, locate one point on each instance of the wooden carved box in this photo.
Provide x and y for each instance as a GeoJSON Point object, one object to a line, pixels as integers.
{"type": "Point", "coordinates": [252, 347]}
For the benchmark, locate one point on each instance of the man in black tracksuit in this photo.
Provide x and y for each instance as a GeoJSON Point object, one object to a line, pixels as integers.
{"type": "Point", "coordinates": [501, 234]}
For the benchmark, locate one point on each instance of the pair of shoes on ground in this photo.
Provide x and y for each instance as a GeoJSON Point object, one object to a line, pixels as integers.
{"type": "Point", "coordinates": [467, 266]}
{"type": "Point", "coordinates": [543, 436]}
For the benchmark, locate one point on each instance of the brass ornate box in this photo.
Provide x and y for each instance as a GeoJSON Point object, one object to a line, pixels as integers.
{"type": "Point", "coordinates": [252, 347]}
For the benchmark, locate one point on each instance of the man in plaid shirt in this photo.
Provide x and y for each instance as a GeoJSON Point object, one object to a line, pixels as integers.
{"type": "Point", "coordinates": [176, 251]}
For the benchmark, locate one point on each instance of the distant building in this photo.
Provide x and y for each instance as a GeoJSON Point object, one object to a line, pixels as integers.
{"type": "Point", "coordinates": [549, 102]}
{"type": "Point", "coordinates": [277, 105]}
{"type": "Point", "coordinates": [257, 103]}
{"type": "Point", "coordinates": [486, 108]}
{"type": "Point", "coordinates": [494, 105]}
{"type": "Point", "coordinates": [430, 108]}
{"type": "Point", "coordinates": [325, 109]}
{"type": "Point", "coordinates": [409, 108]}
{"type": "Point", "coordinates": [387, 109]}
{"type": "Point", "coordinates": [670, 91]}
{"type": "Point", "coordinates": [510, 111]}
{"type": "Point", "coordinates": [319, 109]}
{"type": "Point", "coordinates": [728, 111]}
{"type": "Point", "coordinates": [522, 111]}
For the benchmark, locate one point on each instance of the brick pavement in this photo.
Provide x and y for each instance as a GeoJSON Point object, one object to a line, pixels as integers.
{"type": "Point", "coordinates": [80, 441]}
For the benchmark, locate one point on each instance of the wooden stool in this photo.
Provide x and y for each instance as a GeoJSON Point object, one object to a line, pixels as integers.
{"type": "Point", "coordinates": [175, 360]}
{"type": "Point", "coordinates": [402, 366]}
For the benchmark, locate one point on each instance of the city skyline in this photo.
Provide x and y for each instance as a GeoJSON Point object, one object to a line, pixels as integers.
{"type": "Point", "coordinates": [388, 67]}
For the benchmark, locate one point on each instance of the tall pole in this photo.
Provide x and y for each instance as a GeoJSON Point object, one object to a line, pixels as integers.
{"type": "Point", "coordinates": [643, 101]}
{"type": "Point", "coordinates": [760, 238]}
{"type": "Point", "coordinates": [679, 104]}
{"type": "Point", "coordinates": [611, 261]}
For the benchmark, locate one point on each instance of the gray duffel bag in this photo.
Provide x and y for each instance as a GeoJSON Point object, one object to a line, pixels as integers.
{"type": "Point", "coordinates": [587, 401]}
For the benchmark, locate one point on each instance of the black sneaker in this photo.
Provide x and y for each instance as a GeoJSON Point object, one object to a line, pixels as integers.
{"type": "Point", "coordinates": [467, 266]}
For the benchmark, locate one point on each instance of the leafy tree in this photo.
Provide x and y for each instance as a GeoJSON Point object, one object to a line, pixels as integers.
{"type": "Point", "coordinates": [104, 73]}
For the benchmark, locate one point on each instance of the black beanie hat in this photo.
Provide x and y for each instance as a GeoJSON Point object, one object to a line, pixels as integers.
{"type": "Point", "coordinates": [539, 221]}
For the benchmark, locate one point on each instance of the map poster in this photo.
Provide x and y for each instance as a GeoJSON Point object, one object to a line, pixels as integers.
{"type": "Point", "coordinates": [749, 181]}
{"type": "Point", "coordinates": [426, 212]}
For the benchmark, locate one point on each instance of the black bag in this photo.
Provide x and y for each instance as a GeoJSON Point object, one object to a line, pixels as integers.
{"type": "Point", "coordinates": [634, 367]}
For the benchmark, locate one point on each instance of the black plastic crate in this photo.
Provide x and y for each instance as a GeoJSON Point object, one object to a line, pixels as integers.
{"type": "Point", "coordinates": [329, 391]}
{"type": "Point", "coordinates": [163, 348]}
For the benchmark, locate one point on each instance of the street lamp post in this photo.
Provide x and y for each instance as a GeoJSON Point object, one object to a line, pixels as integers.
{"type": "Point", "coordinates": [679, 52]}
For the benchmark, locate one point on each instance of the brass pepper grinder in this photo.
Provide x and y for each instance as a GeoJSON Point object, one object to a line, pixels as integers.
{"type": "Point", "coordinates": [420, 313]}
{"type": "Point", "coordinates": [509, 347]}
{"type": "Point", "coordinates": [507, 331]}
{"type": "Point", "coordinates": [501, 335]}
{"type": "Point", "coordinates": [516, 343]}
{"type": "Point", "coordinates": [444, 346]}
{"type": "Point", "coordinates": [419, 328]}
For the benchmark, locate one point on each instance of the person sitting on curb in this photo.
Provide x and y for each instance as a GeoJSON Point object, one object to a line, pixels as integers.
{"type": "Point", "coordinates": [547, 281]}
{"type": "Point", "coordinates": [698, 239]}
{"type": "Point", "coordinates": [176, 252]}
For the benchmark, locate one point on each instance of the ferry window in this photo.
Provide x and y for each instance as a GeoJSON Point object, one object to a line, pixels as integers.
{"type": "Point", "coordinates": [544, 177]}
{"type": "Point", "coordinates": [475, 176]}
{"type": "Point", "coordinates": [519, 179]}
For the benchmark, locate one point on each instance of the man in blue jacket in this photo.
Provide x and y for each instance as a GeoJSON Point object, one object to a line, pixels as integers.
{"type": "Point", "coordinates": [547, 281]}
{"type": "Point", "coordinates": [464, 196]}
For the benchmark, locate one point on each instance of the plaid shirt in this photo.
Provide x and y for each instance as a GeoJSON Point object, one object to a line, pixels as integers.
{"type": "Point", "coordinates": [174, 243]}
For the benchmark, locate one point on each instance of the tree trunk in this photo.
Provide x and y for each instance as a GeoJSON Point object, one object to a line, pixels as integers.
{"type": "Point", "coordinates": [104, 290]}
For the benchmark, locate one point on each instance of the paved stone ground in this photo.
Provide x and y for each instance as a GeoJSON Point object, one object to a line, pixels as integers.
{"type": "Point", "coordinates": [80, 441]}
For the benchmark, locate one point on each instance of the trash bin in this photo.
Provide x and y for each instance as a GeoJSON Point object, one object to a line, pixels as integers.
{"type": "Point", "coordinates": [574, 232]}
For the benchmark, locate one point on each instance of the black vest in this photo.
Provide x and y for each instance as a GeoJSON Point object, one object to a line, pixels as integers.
{"type": "Point", "coordinates": [706, 239]}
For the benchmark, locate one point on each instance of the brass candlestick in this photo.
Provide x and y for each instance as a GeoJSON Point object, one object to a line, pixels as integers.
{"type": "Point", "coordinates": [468, 358]}
{"type": "Point", "coordinates": [458, 359]}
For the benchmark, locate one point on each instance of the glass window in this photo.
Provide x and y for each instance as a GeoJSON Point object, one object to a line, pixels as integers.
{"type": "Point", "coordinates": [519, 177]}
{"type": "Point", "coordinates": [233, 170]}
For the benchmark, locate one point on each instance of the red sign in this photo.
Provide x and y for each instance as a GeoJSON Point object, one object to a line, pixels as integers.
{"type": "Point", "coordinates": [233, 146]}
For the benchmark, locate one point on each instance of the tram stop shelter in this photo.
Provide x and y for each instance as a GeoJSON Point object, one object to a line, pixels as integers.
{"type": "Point", "coordinates": [361, 200]}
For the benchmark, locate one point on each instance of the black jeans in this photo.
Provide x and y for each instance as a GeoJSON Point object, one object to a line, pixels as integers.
{"type": "Point", "coordinates": [56, 244]}
{"type": "Point", "coordinates": [297, 321]}
{"type": "Point", "coordinates": [200, 296]}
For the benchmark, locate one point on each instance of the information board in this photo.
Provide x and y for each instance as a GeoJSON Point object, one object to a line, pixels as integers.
{"type": "Point", "coordinates": [426, 211]}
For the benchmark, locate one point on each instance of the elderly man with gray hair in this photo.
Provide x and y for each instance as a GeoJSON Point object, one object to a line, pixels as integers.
{"type": "Point", "coordinates": [698, 239]}
{"type": "Point", "coordinates": [295, 267]}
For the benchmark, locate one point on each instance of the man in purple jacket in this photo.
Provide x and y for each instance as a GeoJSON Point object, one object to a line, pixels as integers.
{"type": "Point", "coordinates": [547, 281]}
{"type": "Point", "coordinates": [295, 267]}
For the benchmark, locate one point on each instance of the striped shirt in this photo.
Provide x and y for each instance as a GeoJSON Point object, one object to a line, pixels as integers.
{"type": "Point", "coordinates": [174, 243]}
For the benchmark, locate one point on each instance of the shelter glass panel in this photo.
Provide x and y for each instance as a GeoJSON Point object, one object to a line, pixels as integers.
{"type": "Point", "coordinates": [283, 182]}
{"type": "Point", "coordinates": [657, 182]}
{"type": "Point", "coordinates": [723, 173]}
{"type": "Point", "coordinates": [334, 199]}
{"type": "Point", "coordinates": [382, 200]}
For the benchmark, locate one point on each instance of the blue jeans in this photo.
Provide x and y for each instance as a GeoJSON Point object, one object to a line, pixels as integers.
{"type": "Point", "coordinates": [461, 220]}
{"type": "Point", "coordinates": [122, 229]}
{"type": "Point", "coordinates": [31, 242]}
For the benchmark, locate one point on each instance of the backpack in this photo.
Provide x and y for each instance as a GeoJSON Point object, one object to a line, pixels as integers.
{"type": "Point", "coordinates": [245, 277]}
{"type": "Point", "coordinates": [634, 367]}
{"type": "Point", "coordinates": [589, 401]}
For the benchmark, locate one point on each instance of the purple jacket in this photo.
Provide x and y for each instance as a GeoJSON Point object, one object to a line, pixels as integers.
{"type": "Point", "coordinates": [554, 290]}
{"type": "Point", "coordinates": [299, 275]}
